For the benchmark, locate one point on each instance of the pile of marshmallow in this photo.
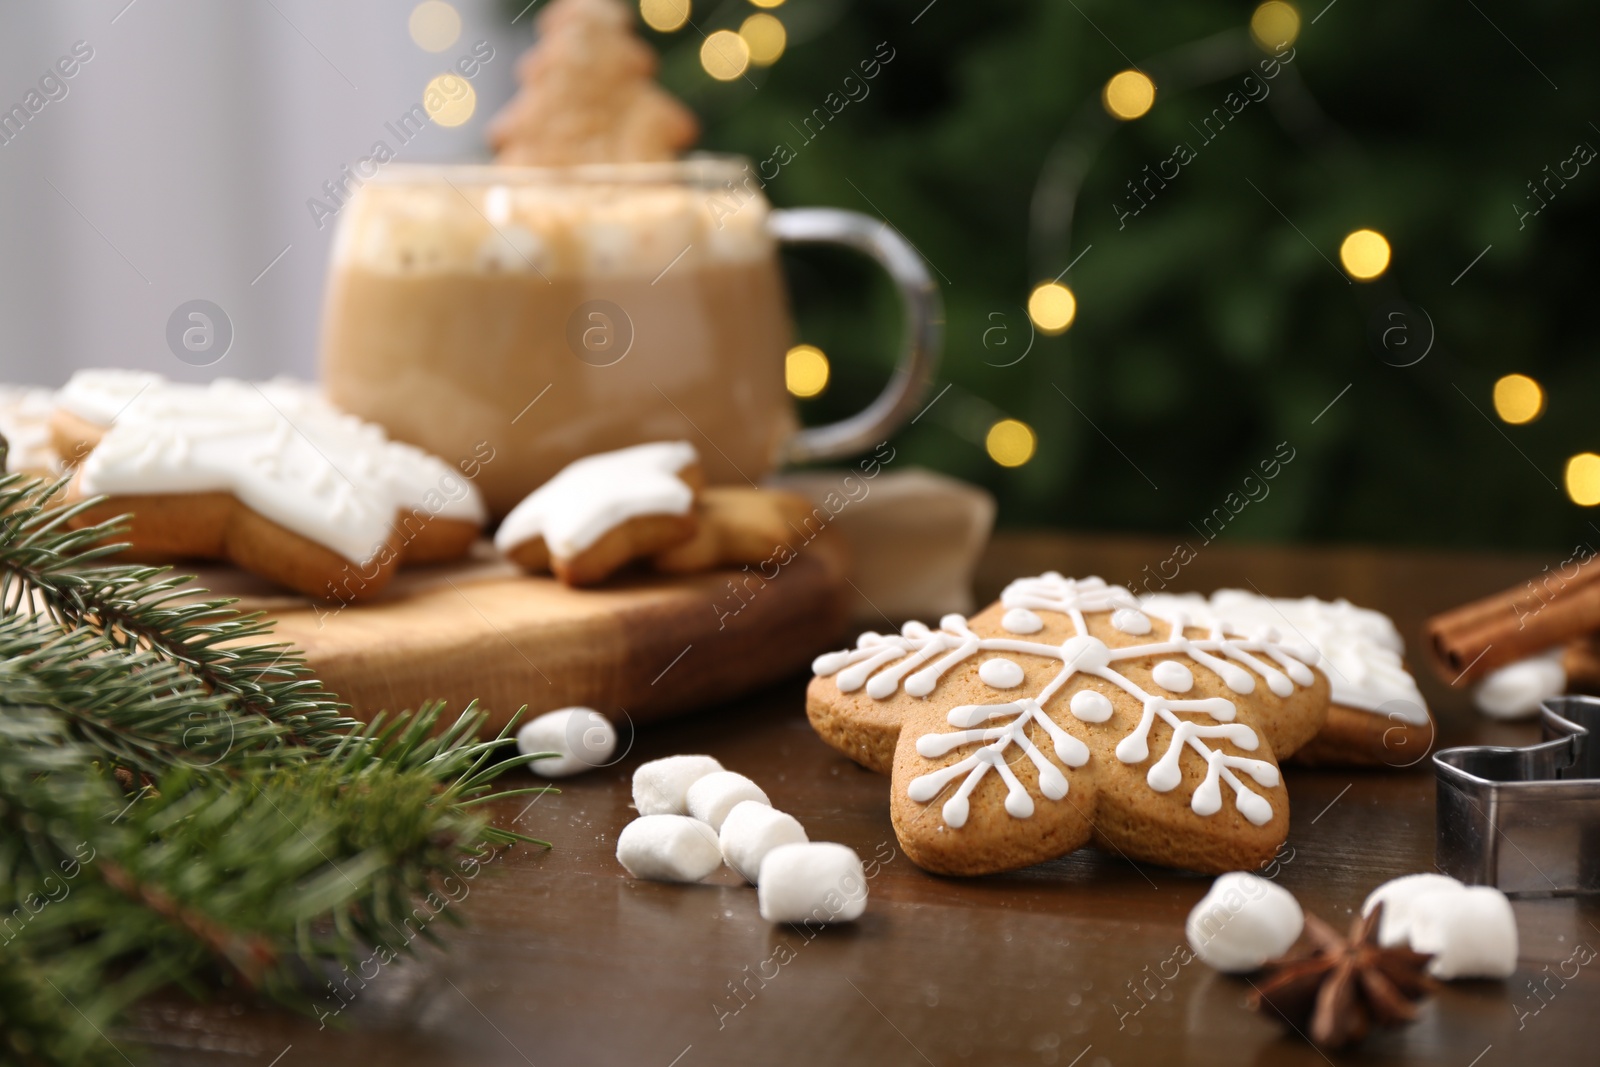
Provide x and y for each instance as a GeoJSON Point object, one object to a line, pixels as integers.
{"type": "Point", "coordinates": [1470, 931]}
{"type": "Point", "coordinates": [694, 816]}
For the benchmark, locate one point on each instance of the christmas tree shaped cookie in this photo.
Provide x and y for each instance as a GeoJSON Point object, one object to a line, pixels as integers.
{"type": "Point", "coordinates": [1065, 714]}
{"type": "Point", "coordinates": [588, 95]}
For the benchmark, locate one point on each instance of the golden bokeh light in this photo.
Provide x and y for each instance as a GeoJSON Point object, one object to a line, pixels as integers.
{"type": "Point", "coordinates": [1011, 442]}
{"type": "Point", "coordinates": [724, 55]}
{"type": "Point", "coordinates": [449, 99]}
{"type": "Point", "coordinates": [1518, 399]}
{"type": "Point", "coordinates": [1128, 95]}
{"type": "Point", "coordinates": [765, 37]}
{"type": "Point", "coordinates": [664, 15]}
{"type": "Point", "coordinates": [1365, 254]}
{"type": "Point", "coordinates": [767, 3]}
{"type": "Point", "coordinates": [805, 370]}
{"type": "Point", "coordinates": [1583, 479]}
{"type": "Point", "coordinates": [434, 25]}
{"type": "Point", "coordinates": [1052, 307]}
{"type": "Point", "coordinates": [1275, 25]}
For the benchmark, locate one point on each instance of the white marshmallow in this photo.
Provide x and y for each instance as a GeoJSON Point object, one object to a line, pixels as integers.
{"type": "Point", "coordinates": [1516, 690]}
{"type": "Point", "coordinates": [1403, 899]}
{"type": "Point", "coordinates": [812, 882]}
{"type": "Point", "coordinates": [582, 737]}
{"type": "Point", "coordinates": [668, 848]}
{"type": "Point", "coordinates": [1470, 931]}
{"type": "Point", "coordinates": [1242, 922]}
{"type": "Point", "coordinates": [661, 786]}
{"type": "Point", "coordinates": [712, 797]}
{"type": "Point", "coordinates": [751, 830]}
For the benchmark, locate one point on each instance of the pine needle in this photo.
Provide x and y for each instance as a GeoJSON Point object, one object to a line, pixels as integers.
{"type": "Point", "coordinates": [183, 803]}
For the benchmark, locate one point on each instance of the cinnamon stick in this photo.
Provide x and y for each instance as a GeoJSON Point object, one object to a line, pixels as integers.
{"type": "Point", "coordinates": [1557, 606]}
{"type": "Point", "coordinates": [1581, 658]}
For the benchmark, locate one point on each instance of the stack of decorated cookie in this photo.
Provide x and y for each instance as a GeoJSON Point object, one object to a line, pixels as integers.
{"type": "Point", "coordinates": [1071, 712]}
{"type": "Point", "coordinates": [272, 478]}
{"type": "Point", "coordinates": [648, 503]}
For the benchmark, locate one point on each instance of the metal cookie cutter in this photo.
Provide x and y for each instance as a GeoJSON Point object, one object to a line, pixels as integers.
{"type": "Point", "coordinates": [1526, 819]}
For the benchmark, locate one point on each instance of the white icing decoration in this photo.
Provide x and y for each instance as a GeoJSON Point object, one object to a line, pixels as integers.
{"type": "Point", "coordinates": [1000, 673]}
{"type": "Point", "coordinates": [25, 424]}
{"type": "Point", "coordinates": [99, 396]}
{"type": "Point", "coordinates": [1172, 676]}
{"type": "Point", "coordinates": [1021, 621]}
{"type": "Point", "coordinates": [1130, 621]}
{"type": "Point", "coordinates": [1359, 649]}
{"type": "Point", "coordinates": [279, 447]}
{"type": "Point", "coordinates": [1090, 706]}
{"type": "Point", "coordinates": [592, 496]}
{"type": "Point", "coordinates": [920, 656]}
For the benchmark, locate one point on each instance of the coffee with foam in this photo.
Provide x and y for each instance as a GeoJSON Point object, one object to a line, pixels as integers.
{"type": "Point", "coordinates": [553, 314]}
{"type": "Point", "coordinates": [596, 229]}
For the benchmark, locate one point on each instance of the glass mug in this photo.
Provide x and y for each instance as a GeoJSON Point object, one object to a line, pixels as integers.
{"type": "Point", "coordinates": [521, 318]}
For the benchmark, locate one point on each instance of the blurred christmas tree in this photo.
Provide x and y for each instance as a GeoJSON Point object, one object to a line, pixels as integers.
{"type": "Point", "coordinates": [1217, 327]}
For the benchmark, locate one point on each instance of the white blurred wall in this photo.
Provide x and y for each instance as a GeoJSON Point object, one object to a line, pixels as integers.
{"type": "Point", "coordinates": [179, 162]}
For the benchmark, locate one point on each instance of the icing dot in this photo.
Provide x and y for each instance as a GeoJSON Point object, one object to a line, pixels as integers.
{"type": "Point", "coordinates": [1253, 807]}
{"type": "Point", "coordinates": [1090, 706]}
{"type": "Point", "coordinates": [1130, 621]}
{"type": "Point", "coordinates": [1001, 673]}
{"type": "Point", "coordinates": [1021, 621]}
{"type": "Point", "coordinates": [1019, 805]}
{"type": "Point", "coordinates": [955, 812]}
{"type": "Point", "coordinates": [1173, 676]}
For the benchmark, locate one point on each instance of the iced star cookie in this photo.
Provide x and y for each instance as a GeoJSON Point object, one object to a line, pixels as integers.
{"type": "Point", "coordinates": [266, 475]}
{"type": "Point", "coordinates": [602, 512]}
{"type": "Point", "coordinates": [1065, 714]}
{"type": "Point", "coordinates": [1377, 717]}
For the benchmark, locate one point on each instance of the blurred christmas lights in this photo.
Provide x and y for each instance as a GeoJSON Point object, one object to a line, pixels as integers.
{"type": "Point", "coordinates": [1275, 25]}
{"type": "Point", "coordinates": [765, 37]}
{"type": "Point", "coordinates": [724, 55]}
{"type": "Point", "coordinates": [1365, 254]}
{"type": "Point", "coordinates": [449, 99]}
{"type": "Point", "coordinates": [805, 370]}
{"type": "Point", "coordinates": [1011, 442]}
{"type": "Point", "coordinates": [434, 25]}
{"type": "Point", "coordinates": [664, 16]}
{"type": "Point", "coordinates": [1518, 399]}
{"type": "Point", "coordinates": [1052, 307]}
{"type": "Point", "coordinates": [1583, 479]}
{"type": "Point", "coordinates": [1128, 95]}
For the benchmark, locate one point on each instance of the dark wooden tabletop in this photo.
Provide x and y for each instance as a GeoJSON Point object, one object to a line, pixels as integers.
{"type": "Point", "coordinates": [567, 961]}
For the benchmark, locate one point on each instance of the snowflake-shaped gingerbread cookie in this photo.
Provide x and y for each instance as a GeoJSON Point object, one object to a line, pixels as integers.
{"type": "Point", "coordinates": [1066, 714]}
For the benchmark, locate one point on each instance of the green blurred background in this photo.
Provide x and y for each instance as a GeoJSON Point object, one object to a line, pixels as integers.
{"type": "Point", "coordinates": [1216, 323]}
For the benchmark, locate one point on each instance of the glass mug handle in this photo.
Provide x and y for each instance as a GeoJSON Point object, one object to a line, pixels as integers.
{"type": "Point", "coordinates": [924, 327]}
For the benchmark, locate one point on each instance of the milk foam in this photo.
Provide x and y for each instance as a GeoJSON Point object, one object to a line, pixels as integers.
{"type": "Point", "coordinates": [590, 230]}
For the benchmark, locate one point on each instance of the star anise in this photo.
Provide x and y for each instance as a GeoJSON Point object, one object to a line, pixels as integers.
{"type": "Point", "coordinates": [1344, 986]}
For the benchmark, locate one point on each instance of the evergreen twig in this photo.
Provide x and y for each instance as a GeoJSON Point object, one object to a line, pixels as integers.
{"type": "Point", "coordinates": [183, 804]}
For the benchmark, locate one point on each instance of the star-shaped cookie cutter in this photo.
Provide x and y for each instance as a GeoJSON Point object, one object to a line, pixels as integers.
{"type": "Point", "coordinates": [1526, 819]}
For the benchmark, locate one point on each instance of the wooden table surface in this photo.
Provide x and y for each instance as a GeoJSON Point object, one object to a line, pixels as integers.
{"type": "Point", "coordinates": [568, 961]}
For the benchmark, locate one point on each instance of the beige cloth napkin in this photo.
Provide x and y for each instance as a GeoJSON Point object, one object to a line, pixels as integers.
{"type": "Point", "coordinates": [914, 538]}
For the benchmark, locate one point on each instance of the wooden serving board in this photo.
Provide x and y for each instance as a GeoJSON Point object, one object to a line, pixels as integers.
{"type": "Point", "coordinates": [640, 647]}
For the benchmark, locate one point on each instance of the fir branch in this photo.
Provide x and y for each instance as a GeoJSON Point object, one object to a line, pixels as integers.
{"type": "Point", "coordinates": [47, 566]}
{"type": "Point", "coordinates": [179, 805]}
